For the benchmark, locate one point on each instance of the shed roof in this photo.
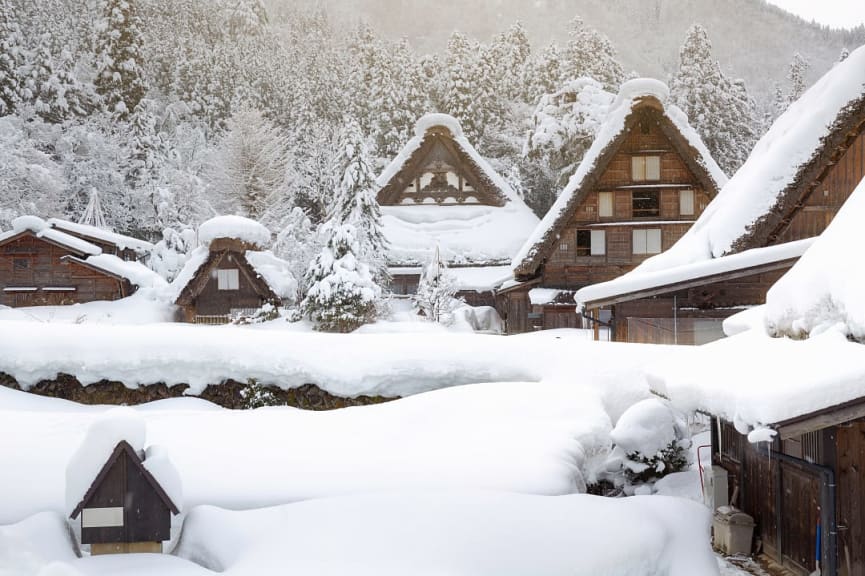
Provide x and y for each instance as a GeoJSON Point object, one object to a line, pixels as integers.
{"type": "Point", "coordinates": [124, 448]}
{"type": "Point", "coordinates": [635, 95]}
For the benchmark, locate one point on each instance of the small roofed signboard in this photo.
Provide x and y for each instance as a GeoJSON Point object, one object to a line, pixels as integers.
{"type": "Point", "coordinates": [125, 510]}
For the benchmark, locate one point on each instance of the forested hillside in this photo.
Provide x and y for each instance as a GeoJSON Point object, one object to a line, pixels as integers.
{"type": "Point", "coordinates": [176, 111]}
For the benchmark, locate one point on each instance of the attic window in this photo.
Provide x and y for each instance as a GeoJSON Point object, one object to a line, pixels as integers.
{"type": "Point", "coordinates": [20, 264]}
{"type": "Point", "coordinates": [591, 243]}
{"type": "Point", "coordinates": [645, 203]}
{"type": "Point", "coordinates": [228, 279]}
{"type": "Point", "coordinates": [645, 168]}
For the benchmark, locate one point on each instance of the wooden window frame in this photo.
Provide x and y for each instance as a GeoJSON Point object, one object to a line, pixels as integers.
{"type": "Point", "coordinates": [683, 203]}
{"type": "Point", "coordinates": [611, 204]}
{"type": "Point", "coordinates": [641, 246]}
{"type": "Point", "coordinates": [640, 168]}
{"type": "Point", "coordinates": [591, 242]}
{"type": "Point", "coordinates": [652, 195]}
{"type": "Point", "coordinates": [228, 279]}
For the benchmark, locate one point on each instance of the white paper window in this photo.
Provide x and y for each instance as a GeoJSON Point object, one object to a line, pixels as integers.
{"type": "Point", "coordinates": [647, 241]}
{"type": "Point", "coordinates": [686, 202]}
{"type": "Point", "coordinates": [645, 168]}
{"type": "Point", "coordinates": [101, 517]}
{"type": "Point", "coordinates": [228, 279]}
{"type": "Point", "coordinates": [605, 204]}
{"type": "Point", "coordinates": [599, 243]}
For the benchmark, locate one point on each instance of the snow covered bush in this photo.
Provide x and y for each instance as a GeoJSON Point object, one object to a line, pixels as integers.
{"type": "Point", "coordinates": [266, 313]}
{"type": "Point", "coordinates": [256, 395]}
{"type": "Point", "coordinates": [435, 298]}
{"type": "Point", "coordinates": [342, 294]}
{"type": "Point", "coordinates": [651, 440]}
{"type": "Point", "coordinates": [169, 255]}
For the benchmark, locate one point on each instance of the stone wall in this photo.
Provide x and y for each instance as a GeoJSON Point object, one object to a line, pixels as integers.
{"type": "Point", "coordinates": [226, 394]}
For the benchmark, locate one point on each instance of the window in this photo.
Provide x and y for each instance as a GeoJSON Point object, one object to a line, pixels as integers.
{"type": "Point", "coordinates": [605, 204]}
{"type": "Point", "coordinates": [647, 241]}
{"type": "Point", "coordinates": [645, 168]}
{"type": "Point", "coordinates": [686, 202]}
{"type": "Point", "coordinates": [591, 243]}
{"type": "Point", "coordinates": [645, 203]}
{"type": "Point", "coordinates": [563, 247]}
{"type": "Point", "coordinates": [20, 264]}
{"type": "Point", "coordinates": [228, 279]}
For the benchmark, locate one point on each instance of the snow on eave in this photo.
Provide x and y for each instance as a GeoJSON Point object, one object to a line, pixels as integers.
{"type": "Point", "coordinates": [120, 240]}
{"type": "Point", "coordinates": [275, 272]}
{"type": "Point", "coordinates": [632, 94]}
{"type": "Point", "coordinates": [136, 273]}
{"type": "Point", "coordinates": [422, 128]}
{"type": "Point", "coordinates": [40, 229]}
{"type": "Point", "coordinates": [196, 260]}
{"type": "Point", "coordinates": [784, 162]}
{"type": "Point", "coordinates": [634, 283]}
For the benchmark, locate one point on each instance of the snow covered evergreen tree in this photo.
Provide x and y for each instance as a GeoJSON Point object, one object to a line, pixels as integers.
{"type": "Point", "coordinates": [459, 91]}
{"type": "Point", "coordinates": [342, 294]}
{"type": "Point", "coordinates": [796, 75]}
{"type": "Point", "coordinates": [511, 51]}
{"type": "Point", "coordinates": [249, 167]}
{"type": "Point", "coordinates": [436, 292]}
{"type": "Point", "coordinates": [297, 243]}
{"type": "Point", "coordinates": [11, 58]}
{"type": "Point", "coordinates": [118, 46]}
{"type": "Point", "coordinates": [590, 53]}
{"type": "Point", "coordinates": [170, 254]}
{"type": "Point", "coordinates": [545, 73]}
{"type": "Point", "coordinates": [719, 109]}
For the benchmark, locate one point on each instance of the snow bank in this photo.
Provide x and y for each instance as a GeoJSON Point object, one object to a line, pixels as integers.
{"type": "Point", "coordinates": [236, 227]}
{"type": "Point", "coordinates": [823, 289]}
{"type": "Point", "coordinates": [143, 307]}
{"type": "Point", "coordinates": [647, 427]}
{"type": "Point", "coordinates": [37, 546]}
{"type": "Point", "coordinates": [102, 437]}
{"type": "Point", "coordinates": [629, 95]}
{"type": "Point", "coordinates": [276, 272]}
{"type": "Point", "coordinates": [771, 379]}
{"type": "Point", "coordinates": [434, 533]}
{"type": "Point", "coordinates": [158, 462]}
{"type": "Point", "coordinates": [773, 165]}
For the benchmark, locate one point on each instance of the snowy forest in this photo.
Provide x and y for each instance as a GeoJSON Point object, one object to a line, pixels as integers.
{"type": "Point", "coordinates": [178, 111]}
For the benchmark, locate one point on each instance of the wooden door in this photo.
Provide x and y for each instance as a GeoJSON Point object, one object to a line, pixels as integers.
{"type": "Point", "coordinates": [851, 501]}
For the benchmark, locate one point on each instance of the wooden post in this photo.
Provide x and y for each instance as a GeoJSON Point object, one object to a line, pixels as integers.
{"type": "Point", "coordinates": [596, 317]}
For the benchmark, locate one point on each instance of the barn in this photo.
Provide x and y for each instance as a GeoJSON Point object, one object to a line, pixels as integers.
{"type": "Point", "coordinates": [790, 188]}
{"type": "Point", "coordinates": [440, 192]}
{"type": "Point", "coordinates": [231, 274]}
{"type": "Point", "coordinates": [645, 180]}
{"type": "Point", "coordinates": [40, 264]}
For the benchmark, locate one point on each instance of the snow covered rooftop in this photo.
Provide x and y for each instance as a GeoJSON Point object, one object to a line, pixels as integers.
{"type": "Point", "coordinates": [632, 94]}
{"type": "Point", "coordinates": [138, 274]}
{"type": "Point", "coordinates": [466, 233]}
{"type": "Point", "coordinates": [778, 162]}
{"type": "Point", "coordinates": [634, 283]}
{"type": "Point", "coordinates": [236, 228]}
{"type": "Point", "coordinates": [469, 278]}
{"type": "Point", "coordinates": [92, 232]}
{"type": "Point", "coordinates": [42, 229]}
{"type": "Point", "coordinates": [825, 288]}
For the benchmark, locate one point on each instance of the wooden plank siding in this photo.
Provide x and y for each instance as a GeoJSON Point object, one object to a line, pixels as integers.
{"type": "Point", "coordinates": [851, 497]}
{"type": "Point", "coordinates": [30, 262]}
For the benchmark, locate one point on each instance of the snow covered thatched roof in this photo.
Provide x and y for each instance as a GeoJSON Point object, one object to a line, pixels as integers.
{"type": "Point", "coordinates": [633, 96]}
{"type": "Point", "coordinates": [94, 233]}
{"type": "Point", "coordinates": [784, 167]}
{"type": "Point", "coordinates": [487, 229]}
{"type": "Point", "coordinates": [43, 230]}
{"type": "Point", "coordinates": [237, 228]}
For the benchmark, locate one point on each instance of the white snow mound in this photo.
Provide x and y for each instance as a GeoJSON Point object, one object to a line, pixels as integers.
{"type": "Point", "coordinates": [236, 227]}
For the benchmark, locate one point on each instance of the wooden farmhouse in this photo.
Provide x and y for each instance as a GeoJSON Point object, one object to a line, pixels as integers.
{"type": "Point", "coordinates": [796, 179]}
{"type": "Point", "coordinates": [231, 274]}
{"type": "Point", "coordinates": [439, 192]}
{"type": "Point", "coordinates": [125, 510]}
{"type": "Point", "coordinates": [40, 264]}
{"type": "Point", "coordinates": [645, 180]}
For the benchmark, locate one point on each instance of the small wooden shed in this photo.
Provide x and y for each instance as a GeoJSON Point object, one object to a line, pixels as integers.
{"type": "Point", "coordinates": [125, 510]}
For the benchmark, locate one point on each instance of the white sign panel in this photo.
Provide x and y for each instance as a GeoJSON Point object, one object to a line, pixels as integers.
{"type": "Point", "coordinates": [101, 517]}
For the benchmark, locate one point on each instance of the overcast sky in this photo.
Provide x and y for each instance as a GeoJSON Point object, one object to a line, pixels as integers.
{"type": "Point", "coordinates": [835, 13]}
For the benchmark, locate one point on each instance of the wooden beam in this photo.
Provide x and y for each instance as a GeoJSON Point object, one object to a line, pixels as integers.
{"type": "Point", "coordinates": [821, 419]}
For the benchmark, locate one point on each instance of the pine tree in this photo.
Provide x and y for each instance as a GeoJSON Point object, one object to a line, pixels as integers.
{"type": "Point", "coordinates": [796, 75]}
{"type": "Point", "coordinates": [590, 53]}
{"type": "Point", "coordinates": [719, 109]}
{"type": "Point", "coordinates": [511, 51]}
{"type": "Point", "coordinates": [342, 294]}
{"type": "Point", "coordinates": [459, 87]}
{"type": "Point", "coordinates": [118, 46]}
{"type": "Point", "coordinates": [297, 244]}
{"type": "Point", "coordinates": [435, 298]}
{"type": "Point", "coordinates": [11, 58]}
{"type": "Point", "coordinates": [546, 73]}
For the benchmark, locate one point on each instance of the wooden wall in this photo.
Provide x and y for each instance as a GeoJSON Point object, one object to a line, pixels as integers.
{"type": "Point", "coordinates": [850, 477]}
{"type": "Point", "coordinates": [829, 195]}
{"type": "Point", "coordinates": [32, 262]}
{"type": "Point", "coordinates": [212, 301]}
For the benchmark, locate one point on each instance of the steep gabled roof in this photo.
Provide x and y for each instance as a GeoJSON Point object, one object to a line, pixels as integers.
{"type": "Point", "coordinates": [124, 449]}
{"type": "Point", "coordinates": [196, 274]}
{"type": "Point", "coordinates": [634, 97]}
{"type": "Point", "coordinates": [484, 233]}
{"type": "Point", "coordinates": [781, 171]}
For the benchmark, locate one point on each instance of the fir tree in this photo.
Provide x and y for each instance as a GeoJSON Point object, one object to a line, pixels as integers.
{"type": "Point", "coordinates": [719, 109]}
{"type": "Point", "coordinates": [297, 244]}
{"type": "Point", "coordinates": [590, 53]}
{"type": "Point", "coordinates": [796, 75]}
{"type": "Point", "coordinates": [11, 58]}
{"type": "Point", "coordinates": [459, 86]}
{"type": "Point", "coordinates": [342, 294]}
{"type": "Point", "coordinates": [546, 73]}
{"type": "Point", "coordinates": [118, 46]}
{"type": "Point", "coordinates": [435, 298]}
